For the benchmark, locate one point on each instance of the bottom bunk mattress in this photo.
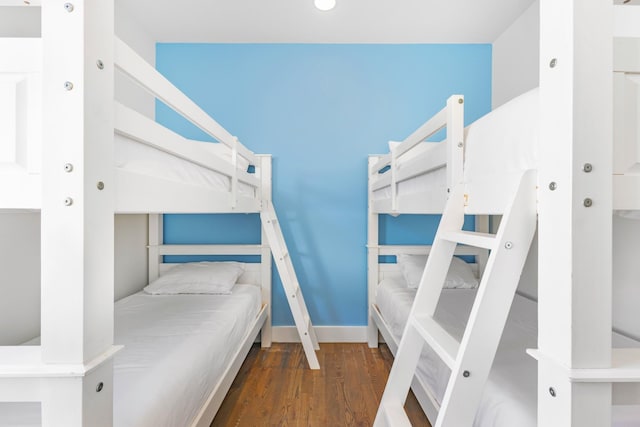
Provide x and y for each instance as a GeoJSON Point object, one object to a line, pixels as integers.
{"type": "Point", "coordinates": [505, 402]}
{"type": "Point", "coordinates": [176, 348]}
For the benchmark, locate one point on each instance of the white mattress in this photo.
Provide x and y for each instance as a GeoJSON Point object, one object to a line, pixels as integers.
{"type": "Point", "coordinates": [176, 348]}
{"type": "Point", "coordinates": [504, 141]}
{"type": "Point", "coordinates": [145, 160]}
{"type": "Point", "coordinates": [505, 403]}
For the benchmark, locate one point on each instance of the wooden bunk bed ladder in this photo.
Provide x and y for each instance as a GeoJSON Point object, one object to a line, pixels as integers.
{"type": "Point", "coordinates": [290, 284]}
{"type": "Point", "coordinates": [471, 358]}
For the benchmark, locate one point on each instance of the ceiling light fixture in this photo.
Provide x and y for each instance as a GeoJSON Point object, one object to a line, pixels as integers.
{"type": "Point", "coordinates": [325, 5]}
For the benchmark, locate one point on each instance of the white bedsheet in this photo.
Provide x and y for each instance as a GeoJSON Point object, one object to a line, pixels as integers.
{"type": "Point", "coordinates": [176, 348]}
{"type": "Point", "coordinates": [145, 160]}
{"type": "Point", "coordinates": [505, 402]}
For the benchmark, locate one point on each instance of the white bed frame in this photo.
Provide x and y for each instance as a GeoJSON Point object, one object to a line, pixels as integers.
{"type": "Point", "coordinates": [576, 365]}
{"type": "Point", "coordinates": [71, 178]}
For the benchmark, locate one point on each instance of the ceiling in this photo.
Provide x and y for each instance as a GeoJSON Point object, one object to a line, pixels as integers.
{"type": "Point", "coordinates": [298, 21]}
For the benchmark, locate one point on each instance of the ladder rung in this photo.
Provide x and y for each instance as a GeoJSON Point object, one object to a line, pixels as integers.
{"type": "Point", "coordinates": [307, 321]}
{"type": "Point", "coordinates": [441, 341]}
{"type": "Point", "coordinates": [296, 291]}
{"type": "Point", "coordinates": [471, 238]}
{"type": "Point", "coordinates": [395, 415]}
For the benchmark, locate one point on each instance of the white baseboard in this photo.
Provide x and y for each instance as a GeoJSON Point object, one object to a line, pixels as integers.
{"type": "Point", "coordinates": [324, 333]}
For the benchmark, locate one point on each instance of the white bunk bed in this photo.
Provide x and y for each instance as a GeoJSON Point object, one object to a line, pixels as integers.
{"type": "Point", "coordinates": [71, 152]}
{"type": "Point", "coordinates": [488, 158]}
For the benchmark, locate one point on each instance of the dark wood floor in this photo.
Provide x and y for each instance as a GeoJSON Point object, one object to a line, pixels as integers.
{"type": "Point", "coordinates": [275, 388]}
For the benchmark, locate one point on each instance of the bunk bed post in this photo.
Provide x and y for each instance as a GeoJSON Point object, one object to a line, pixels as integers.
{"type": "Point", "coordinates": [482, 226]}
{"type": "Point", "coordinates": [575, 206]}
{"type": "Point", "coordinates": [156, 238]}
{"type": "Point", "coordinates": [455, 140]}
{"type": "Point", "coordinates": [373, 252]}
{"type": "Point", "coordinates": [77, 212]}
{"type": "Point", "coordinates": [265, 257]}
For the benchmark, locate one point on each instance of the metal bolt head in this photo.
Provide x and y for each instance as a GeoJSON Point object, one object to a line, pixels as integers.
{"type": "Point", "coordinates": [460, 144]}
{"type": "Point", "coordinates": [68, 85]}
{"type": "Point", "coordinates": [553, 186]}
{"type": "Point", "coordinates": [466, 374]}
{"type": "Point", "coordinates": [68, 201]}
{"type": "Point", "coordinates": [68, 167]}
{"type": "Point", "coordinates": [100, 64]}
{"type": "Point", "coordinates": [68, 7]}
{"type": "Point", "coordinates": [508, 245]}
{"type": "Point", "coordinates": [99, 387]}
{"type": "Point", "coordinates": [553, 63]}
{"type": "Point", "coordinates": [552, 391]}
{"type": "Point", "coordinates": [100, 185]}
{"type": "Point", "coordinates": [587, 167]}
{"type": "Point", "coordinates": [460, 100]}
{"type": "Point", "coordinates": [587, 202]}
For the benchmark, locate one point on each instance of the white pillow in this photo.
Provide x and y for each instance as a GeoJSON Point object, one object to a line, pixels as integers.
{"type": "Point", "coordinates": [459, 276]}
{"type": "Point", "coordinates": [197, 278]}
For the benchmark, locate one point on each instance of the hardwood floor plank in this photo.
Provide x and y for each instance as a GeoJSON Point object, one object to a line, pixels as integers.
{"type": "Point", "coordinates": [275, 387]}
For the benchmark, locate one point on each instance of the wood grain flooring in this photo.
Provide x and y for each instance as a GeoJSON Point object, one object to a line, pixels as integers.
{"type": "Point", "coordinates": [275, 388]}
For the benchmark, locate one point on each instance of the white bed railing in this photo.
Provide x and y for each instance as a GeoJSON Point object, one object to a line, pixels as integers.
{"type": "Point", "coordinates": [136, 126]}
{"type": "Point", "coordinates": [146, 76]}
{"type": "Point", "coordinates": [132, 65]}
{"type": "Point", "coordinates": [448, 153]}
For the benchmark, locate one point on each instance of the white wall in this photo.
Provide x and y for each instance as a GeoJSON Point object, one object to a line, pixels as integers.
{"type": "Point", "coordinates": [131, 267]}
{"type": "Point", "coordinates": [20, 278]}
{"type": "Point", "coordinates": [133, 33]}
{"type": "Point", "coordinates": [130, 254]}
{"type": "Point", "coordinates": [515, 57]}
{"type": "Point", "coordinates": [626, 276]}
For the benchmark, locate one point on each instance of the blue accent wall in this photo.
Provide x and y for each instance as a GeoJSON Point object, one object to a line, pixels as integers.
{"type": "Point", "coordinates": [320, 110]}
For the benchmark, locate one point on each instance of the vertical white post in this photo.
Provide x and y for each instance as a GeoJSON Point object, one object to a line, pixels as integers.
{"type": "Point", "coordinates": [373, 252]}
{"type": "Point", "coordinates": [455, 140]}
{"type": "Point", "coordinates": [78, 184]}
{"type": "Point", "coordinates": [265, 257]}
{"type": "Point", "coordinates": [575, 209]}
{"type": "Point", "coordinates": [155, 238]}
{"type": "Point", "coordinates": [77, 208]}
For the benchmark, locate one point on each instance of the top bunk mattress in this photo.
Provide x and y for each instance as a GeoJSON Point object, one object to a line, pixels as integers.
{"type": "Point", "coordinates": [505, 402]}
{"type": "Point", "coordinates": [176, 347]}
{"type": "Point", "coordinates": [142, 159]}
